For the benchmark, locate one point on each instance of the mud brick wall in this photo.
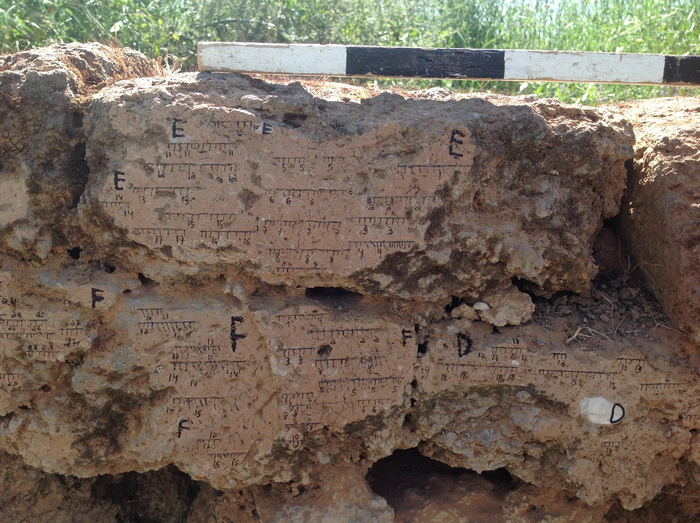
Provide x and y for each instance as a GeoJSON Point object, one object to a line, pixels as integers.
{"type": "Point", "coordinates": [275, 287]}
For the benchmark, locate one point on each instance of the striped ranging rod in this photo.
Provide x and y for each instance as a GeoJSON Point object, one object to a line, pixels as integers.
{"type": "Point", "coordinates": [462, 64]}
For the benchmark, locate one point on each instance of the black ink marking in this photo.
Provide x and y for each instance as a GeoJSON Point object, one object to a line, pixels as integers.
{"type": "Point", "coordinates": [181, 426]}
{"type": "Point", "coordinates": [266, 128]}
{"type": "Point", "coordinates": [96, 296]}
{"type": "Point", "coordinates": [405, 336]}
{"type": "Point", "coordinates": [178, 130]}
{"type": "Point", "coordinates": [455, 140]}
{"type": "Point", "coordinates": [234, 336]}
{"type": "Point", "coordinates": [456, 132]}
{"type": "Point", "coordinates": [463, 350]}
{"type": "Point", "coordinates": [617, 413]}
{"type": "Point", "coordinates": [117, 179]}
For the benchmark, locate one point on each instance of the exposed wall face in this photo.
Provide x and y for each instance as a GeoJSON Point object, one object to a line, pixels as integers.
{"type": "Point", "coordinates": [661, 211]}
{"type": "Point", "coordinates": [42, 137]}
{"type": "Point", "coordinates": [417, 199]}
{"type": "Point", "coordinates": [272, 291]}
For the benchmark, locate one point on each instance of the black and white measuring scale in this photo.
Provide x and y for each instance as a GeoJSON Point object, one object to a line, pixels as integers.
{"type": "Point", "coordinates": [455, 64]}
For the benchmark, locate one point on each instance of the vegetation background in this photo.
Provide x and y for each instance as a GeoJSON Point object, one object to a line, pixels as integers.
{"type": "Point", "coordinates": [173, 27]}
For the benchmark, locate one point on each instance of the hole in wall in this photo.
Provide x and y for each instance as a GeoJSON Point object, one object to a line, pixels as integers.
{"type": "Point", "coordinates": [132, 495]}
{"type": "Point", "coordinates": [108, 268]}
{"type": "Point", "coordinates": [527, 286]}
{"type": "Point", "coordinates": [502, 479]}
{"type": "Point", "coordinates": [609, 252]}
{"type": "Point", "coordinates": [293, 119]}
{"type": "Point", "coordinates": [324, 351]}
{"type": "Point", "coordinates": [408, 475]}
{"type": "Point", "coordinates": [614, 223]}
{"type": "Point", "coordinates": [422, 348]}
{"type": "Point", "coordinates": [146, 281]}
{"type": "Point", "coordinates": [75, 253]}
{"type": "Point", "coordinates": [629, 168]}
{"type": "Point", "coordinates": [75, 359]}
{"type": "Point", "coordinates": [77, 119]}
{"type": "Point", "coordinates": [332, 294]}
{"type": "Point", "coordinates": [77, 174]}
{"type": "Point", "coordinates": [408, 467]}
{"type": "Point", "coordinates": [456, 302]}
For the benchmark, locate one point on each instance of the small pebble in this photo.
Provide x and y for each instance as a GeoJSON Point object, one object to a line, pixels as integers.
{"type": "Point", "coordinates": [463, 324]}
{"type": "Point", "coordinates": [564, 310]}
{"type": "Point", "coordinates": [561, 299]}
{"type": "Point", "coordinates": [464, 311]}
{"type": "Point", "coordinates": [628, 294]}
{"type": "Point", "coordinates": [481, 306]}
{"type": "Point", "coordinates": [604, 318]}
{"type": "Point", "coordinates": [580, 300]}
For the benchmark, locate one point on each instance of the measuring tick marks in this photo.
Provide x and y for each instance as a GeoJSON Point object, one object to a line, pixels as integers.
{"type": "Point", "coordinates": [233, 190]}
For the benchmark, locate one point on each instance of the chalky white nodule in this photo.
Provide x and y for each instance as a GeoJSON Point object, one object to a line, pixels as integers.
{"type": "Point", "coordinates": [601, 411]}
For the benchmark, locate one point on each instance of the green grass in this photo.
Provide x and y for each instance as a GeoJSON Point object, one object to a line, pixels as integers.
{"type": "Point", "coordinates": [162, 27]}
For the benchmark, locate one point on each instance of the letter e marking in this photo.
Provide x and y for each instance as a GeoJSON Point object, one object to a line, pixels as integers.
{"type": "Point", "coordinates": [455, 140]}
{"type": "Point", "coordinates": [177, 131]}
{"type": "Point", "coordinates": [118, 178]}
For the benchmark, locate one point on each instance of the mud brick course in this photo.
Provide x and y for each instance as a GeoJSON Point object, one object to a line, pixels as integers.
{"type": "Point", "coordinates": [223, 298]}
